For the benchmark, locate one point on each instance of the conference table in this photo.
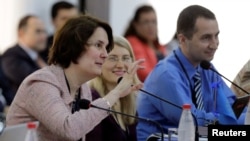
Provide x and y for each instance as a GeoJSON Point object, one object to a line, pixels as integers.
{"type": "Point", "coordinates": [19, 132]}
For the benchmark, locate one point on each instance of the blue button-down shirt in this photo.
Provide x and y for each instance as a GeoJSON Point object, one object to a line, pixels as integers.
{"type": "Point", "coordinates": [169, 81]}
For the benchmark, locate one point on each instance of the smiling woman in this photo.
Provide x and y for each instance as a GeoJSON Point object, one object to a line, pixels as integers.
{"type": "Point", "coordinates": [51, 95]}
{"type": "Point", "coordinates": [115, 66]}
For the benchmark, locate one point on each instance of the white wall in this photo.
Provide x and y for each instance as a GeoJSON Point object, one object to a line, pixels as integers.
{"type": "Point", "coordinates": [233, 18]}
{"type": "Point", "coordinates": [11, 11]}
{"type": "Point", "coordinates": [121, 11]}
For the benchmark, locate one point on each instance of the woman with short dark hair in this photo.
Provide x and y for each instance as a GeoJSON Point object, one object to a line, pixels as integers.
{"type": "Point", "coordinates": [52, 95]}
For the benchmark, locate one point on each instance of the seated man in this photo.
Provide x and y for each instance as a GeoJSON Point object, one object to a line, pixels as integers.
{"type": "Point", "coordinates": [61, 11]}
{"type": "Point", "coordinates": [23, 58]}
{"type": "Point", "coordinates": [180, 79]}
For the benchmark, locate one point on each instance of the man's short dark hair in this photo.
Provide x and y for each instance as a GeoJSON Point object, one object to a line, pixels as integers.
{"type": "Point", "coordinates": [71, 40]}
{"type": "Point", "coordinates": [59, 6]}
{"type": "Point", "coordinates": [187, 19]}
{"type": "Point", "coordinates": [24, 21]}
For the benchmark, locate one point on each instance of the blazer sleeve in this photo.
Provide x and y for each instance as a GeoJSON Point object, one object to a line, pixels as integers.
{"type": "Point", "coordinates": [45, 104]}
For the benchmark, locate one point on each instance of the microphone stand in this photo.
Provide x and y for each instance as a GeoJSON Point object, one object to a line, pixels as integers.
{"type": "Point", "coordinates": [196, 122]}
{"type": "Point", "coordinates": [207, 65]}
{"type": "Point", "coordinates": [230, 81]}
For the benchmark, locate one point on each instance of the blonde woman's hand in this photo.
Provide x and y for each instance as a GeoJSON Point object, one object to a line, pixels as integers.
{"type": "Point", "coordinates": [126, 85]}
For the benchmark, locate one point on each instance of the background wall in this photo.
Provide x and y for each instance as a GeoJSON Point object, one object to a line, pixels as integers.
{"type": "Point", "coordinates": [233, 18]}
{"type": "Point", "coordinates": [98, 8]}
{"type": "Point", "coordinates": [121, 12]}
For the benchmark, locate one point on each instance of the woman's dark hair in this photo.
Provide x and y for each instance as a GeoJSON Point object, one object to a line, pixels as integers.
{"type": "Point", "coordinates": [131, 31]}
{"type": "Point", "coordinates": [188, 16]}
{"type": "Point", "coordinates": [70, 41]}
{"type": "Point", "coordinates": [142, 9]}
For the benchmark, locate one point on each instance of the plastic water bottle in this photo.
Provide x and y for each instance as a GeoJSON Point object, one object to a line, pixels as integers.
{"type": "Point", "coordinates": [247, 117]}
{"type": "Point", "coordinates": [186, 128]}
{"type": "Point", "coordinates": [31, 134]}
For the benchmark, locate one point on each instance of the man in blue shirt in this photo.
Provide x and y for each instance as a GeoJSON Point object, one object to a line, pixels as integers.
{"type": "Point", "coordinates": [172, 78]}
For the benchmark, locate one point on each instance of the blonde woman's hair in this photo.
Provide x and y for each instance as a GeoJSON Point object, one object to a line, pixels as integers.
{"type": "Point", "coordinates": [128, 103]}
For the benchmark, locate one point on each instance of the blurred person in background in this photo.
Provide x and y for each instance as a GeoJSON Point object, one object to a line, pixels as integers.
{"type": "Point", "coordinates": [23, 58]}
{"type": "Point", "coordinates": [172, 44]}
{"type": "Point", "coordinates": [52, 95]}
{"type": "Point", "coordinates": [60, 12]}
{"type": "Point", "coordinates": [142, 33]}
{"type": "Point", "coordinates": [242, 79]}
{"type": "Point", "coordinates": [120, 128]}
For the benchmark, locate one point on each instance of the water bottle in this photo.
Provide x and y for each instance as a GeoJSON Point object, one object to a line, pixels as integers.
{"type": "Point", "coordinates": [247, 117]}
{"type": "Point", "coordinates": [186, 128]}
{"type": "Point", "coordinates": [31, 134]}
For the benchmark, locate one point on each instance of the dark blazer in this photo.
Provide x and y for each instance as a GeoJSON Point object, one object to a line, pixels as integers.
{"type": "Point", "coordinates": [5, 88]}
{"type": "Point", "coordinates": [16, 65]}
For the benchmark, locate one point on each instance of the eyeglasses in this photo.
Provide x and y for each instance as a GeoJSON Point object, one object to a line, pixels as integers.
{"type": "Point", "coordinates": [115, 59]}
{"type": "Point", "coordinates": [99, 45]}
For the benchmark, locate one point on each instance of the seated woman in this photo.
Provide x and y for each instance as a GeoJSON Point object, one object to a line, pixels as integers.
{"type": "Point", "coordinates": [120, 128]}
{"type": "Point", "coordinates": [51, 95]}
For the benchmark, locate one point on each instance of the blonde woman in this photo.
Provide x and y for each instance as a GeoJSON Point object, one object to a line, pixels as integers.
{"type": "Point", "coordinates": [120, 127]}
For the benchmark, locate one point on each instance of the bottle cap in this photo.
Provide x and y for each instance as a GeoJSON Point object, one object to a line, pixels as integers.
{"type": "Point", "coordinates": [186, 106]}
{"type": "Point", "coordinates": [31, 125]}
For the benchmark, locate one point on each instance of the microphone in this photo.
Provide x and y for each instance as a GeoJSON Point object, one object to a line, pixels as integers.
{"type": "Point", "coordinates": [86, 104]}
{"type": "Point", "coordinates": [240, 103]}
{"type": "Point", "coordinates": [175, 105]}
{"type": "Point", "coordinates": [207, 65]}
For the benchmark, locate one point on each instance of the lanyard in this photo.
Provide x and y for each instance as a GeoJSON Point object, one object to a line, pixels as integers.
{"type": "Point", "coordinates": [186, 74]}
